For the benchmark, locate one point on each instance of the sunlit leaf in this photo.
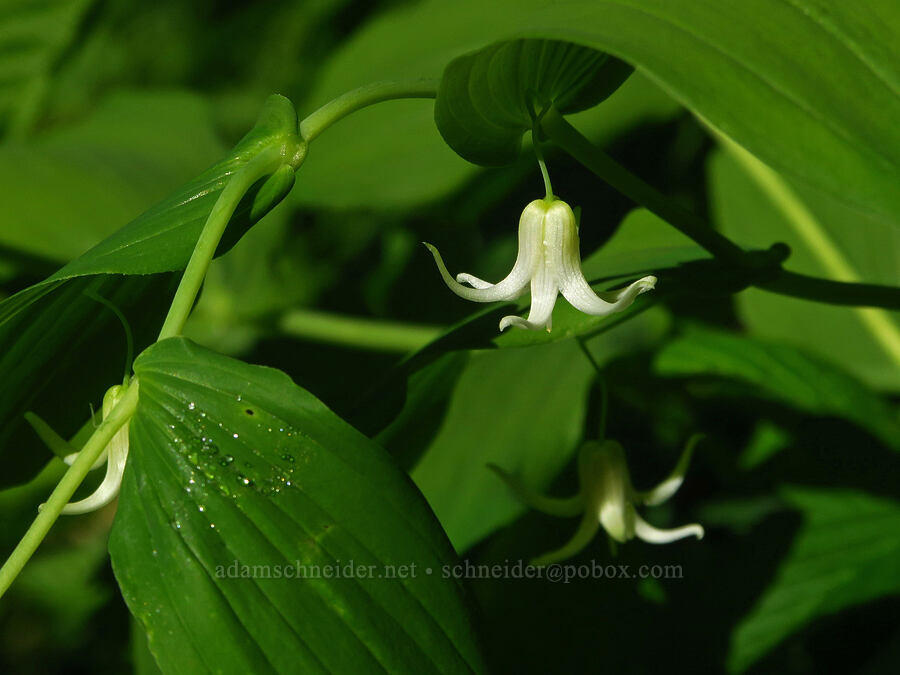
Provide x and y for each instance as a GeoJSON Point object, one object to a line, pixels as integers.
{"type": "Point", "coordinates": [809, 86]}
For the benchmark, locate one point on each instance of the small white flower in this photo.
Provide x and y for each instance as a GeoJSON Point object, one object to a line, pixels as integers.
{"type": "Point", "coordinates": [549, 258]}
{"type": "Point", "coordinates": [114, 455]}
{"type": "Point", "coordinates": [606, 497]}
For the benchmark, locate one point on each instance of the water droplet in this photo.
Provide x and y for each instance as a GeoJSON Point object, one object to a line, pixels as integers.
{"type": "Point", "coordinates": [177, 524]}
{"type": "Point", "coordinates": [235, 435]}
{"type": "Point", "coordinates": [288, 458]}
{"type": "Point", "coordinates": [201, 508]}
{"type": "Point", "coordinates": [245, 481]}
{"type": "Point", "coordinates": [212, 526]}
{"type": "Point", "coordinates": [239, 397]}
{"type": "Point", "coordinates": [226, 460]}
{"type": "Point", "coordinates": [191, 405]}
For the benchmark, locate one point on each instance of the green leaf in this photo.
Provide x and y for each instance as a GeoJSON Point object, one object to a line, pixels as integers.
{"type": "Point", "coordinates": [33, 36]}
{"type": "Point", "coordinates": [163, 238]}
{"type": "Point", "coordinates": [67, 190]}
{"type": "Point", "coordinates": [426, 397]}
{"type": "Point", "coordinates": [845, 553]}
{"type": "Point", "coordinates": [233, 465]}
{"type": "Point", "coordinates": [868, 246]}
{"type": "Point", "coordinates": [522, 409]}
{"type": "Point", "coordinates": [488, 99]}
{"type": "Point", "coordinates": [809, 86]}
{"type": "Point", "coordinates": [780, 372]}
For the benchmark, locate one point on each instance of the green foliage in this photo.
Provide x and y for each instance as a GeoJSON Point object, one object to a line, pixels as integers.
{"type": "Point", "coordinates": [488, 99]}
{"type": "Point", "coordinates": [810, 89]}
{"type": "Point", "coordinates": [233, 465]}
{"type": "Point", "coordinates": [101, 173]}
{"type": "Point", "coordinates": [782, 373]}
{"type": "Point", "coordinates": [845, 553]}
{"type": "Point", "coordinates": [523, 409]}
{"type": "Point", "coordinates": [59, 350]}
{"type": "Point", "coordinates": [870, 246]}
{"type": "Point", "coordinates": [33, 38]}
{"type": "Point", "coordinates": [162, 239]}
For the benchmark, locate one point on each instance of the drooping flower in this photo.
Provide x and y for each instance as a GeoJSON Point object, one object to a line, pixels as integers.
{"type": "Point", "coordinates": [114, 455]}
{"type": "Point", "coordinates": [549, 259]}
{"type": "Point", "coordinates": [606, 497]}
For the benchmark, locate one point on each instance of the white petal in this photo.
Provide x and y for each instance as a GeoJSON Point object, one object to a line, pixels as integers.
{"type": "Point", "coordinates": [625, 296]}
{"type": "Point", "coordinates": [566, 258]}
{"type": "Point", "coordinates": [670, 485]}
{"type": "Point", "coordinates": [108, 490]}
{"type": "Point", "coordinates": [582, 537]}
{"type": "Point", "coordinates": [604, 478]}
{"type": "Point", "coordinates": [652, 535]}
{"type": "Point", "coordinates": [530, 250]}
{"type": "Point", "coordinates": [544, 283]}
{"type": "Point", "coordinates": [543, 298]}
{"type": "Point", "coordinates": [474, 281]}
{"type": "Point", "coordinates": [101, 460]}
{"type": "Point", "coordinates": [554, 506]}
{"type": "Point", "coordinates": [510, 288]}
{"type": "Point", "coordinates": [578, 292]}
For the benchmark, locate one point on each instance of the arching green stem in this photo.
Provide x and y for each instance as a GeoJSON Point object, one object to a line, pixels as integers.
{"type": "Point", "coordinates": [66, 487]}
{"type": "Point", "coordinates": [353, 100]}
{"type": "Point", "coordinates": [374, 334]}
{"type": "Point", "coordinates": [260, 166]}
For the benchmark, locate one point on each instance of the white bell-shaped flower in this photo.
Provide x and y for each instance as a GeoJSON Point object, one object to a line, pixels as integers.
{"type": "Point", "coordinates": [550, 260]}
{"type": "Point", "coordinates": [607, 498]}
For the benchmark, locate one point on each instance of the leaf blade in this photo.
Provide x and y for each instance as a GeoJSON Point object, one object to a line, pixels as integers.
{"type": "Point", "coordinates": [345, 502]}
